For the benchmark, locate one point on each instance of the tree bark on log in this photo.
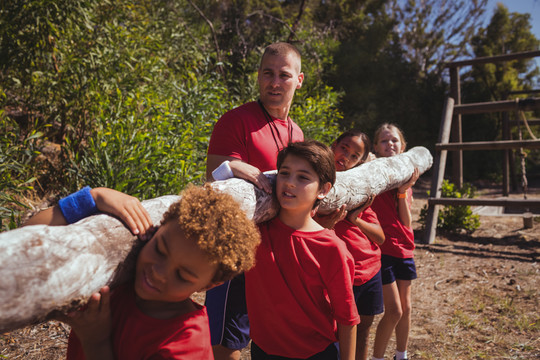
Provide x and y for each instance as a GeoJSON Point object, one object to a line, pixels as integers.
{"type": "Point", "coordinates": [46, 269]}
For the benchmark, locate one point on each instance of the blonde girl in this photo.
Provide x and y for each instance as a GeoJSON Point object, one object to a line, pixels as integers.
{"type": "Point", "coordinates": [393, 209]}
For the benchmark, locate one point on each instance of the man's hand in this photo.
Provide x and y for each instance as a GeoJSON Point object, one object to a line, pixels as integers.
{"type": "Point", "coordinates": [250, 173]}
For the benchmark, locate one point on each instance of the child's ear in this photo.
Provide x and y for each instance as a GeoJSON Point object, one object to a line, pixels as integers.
{"type": "Point", "coordinates": [211, 285]}
{"type": "Point", "coordinates": [325, 189]}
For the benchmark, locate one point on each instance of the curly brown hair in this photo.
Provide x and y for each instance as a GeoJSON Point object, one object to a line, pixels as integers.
{"type": "Point", "coordinates": [220, 228]}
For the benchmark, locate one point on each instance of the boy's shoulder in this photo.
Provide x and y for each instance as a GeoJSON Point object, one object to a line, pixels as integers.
{"type": "Point", "coordinates": [325, 240]}
{"type": "Point", "coordinates": [136, 333]}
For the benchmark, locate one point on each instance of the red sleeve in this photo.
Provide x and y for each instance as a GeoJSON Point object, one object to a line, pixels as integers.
{"type": "Point", "coordinates": [368, 215]}
{"type": "Point", "coordinates": [340, 286]}
{"type": "Point", "coordinates": [229, 137]}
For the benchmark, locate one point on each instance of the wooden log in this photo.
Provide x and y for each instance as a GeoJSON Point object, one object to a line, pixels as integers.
{"type": "Point", "coordinates": [45, 269]}
{"type": "Point", "coordinates": [352, 187]}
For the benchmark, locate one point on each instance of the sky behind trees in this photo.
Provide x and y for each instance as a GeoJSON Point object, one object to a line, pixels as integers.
{"type": "Point", "coordinates": [531, 7]}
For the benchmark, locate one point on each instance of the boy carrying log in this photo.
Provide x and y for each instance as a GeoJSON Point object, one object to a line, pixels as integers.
{"type": "Point", "coordinates": [204, 239]}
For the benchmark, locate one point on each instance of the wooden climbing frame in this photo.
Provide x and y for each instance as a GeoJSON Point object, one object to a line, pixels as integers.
{"type": "Point", "coordinates": [451, 129]}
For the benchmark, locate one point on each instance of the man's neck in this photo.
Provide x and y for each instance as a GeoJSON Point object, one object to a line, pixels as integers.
{"type": "Point", "coordinates": [278, 113]}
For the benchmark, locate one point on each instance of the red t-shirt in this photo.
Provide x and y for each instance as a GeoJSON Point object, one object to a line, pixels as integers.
{"type": "Point", "coordinates": [300, 286]}
{"type": "Point", "coordinates": [138, 336]}
{"type": "Point", "coordinates": [399, 239]}
{"type": "Point", "coordinates": [366, 254]}
{"type": "Point", "coordinates": [244, 133]}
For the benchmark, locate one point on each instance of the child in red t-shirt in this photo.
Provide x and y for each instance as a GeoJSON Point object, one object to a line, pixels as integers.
{"type": "Point", "coordinates": [196, 247]}
{"type": "Point", "coordinates": [398, 268]}
{"type": "Point", "coordinates": [299, 293]}
{"type": "Point", "coordinates": [362, 233]}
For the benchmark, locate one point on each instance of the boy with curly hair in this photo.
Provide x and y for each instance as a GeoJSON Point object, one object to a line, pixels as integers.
{"type": "Point", "coordinates": [204, 239]}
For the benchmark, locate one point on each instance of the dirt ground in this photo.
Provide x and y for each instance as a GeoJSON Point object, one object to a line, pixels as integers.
{"type": "Point", "coordinates": [476, 296]}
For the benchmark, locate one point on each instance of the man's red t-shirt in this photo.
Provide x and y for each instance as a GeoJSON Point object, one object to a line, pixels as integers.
{"type": "Point", "coordinates": [244, 133]}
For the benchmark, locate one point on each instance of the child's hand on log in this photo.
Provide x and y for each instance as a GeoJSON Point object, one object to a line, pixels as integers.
{"type": "Point", "coordinates": [353, 214]}
{"type": "Point", "coordinates": [127, 208]}
{"type": "Point", "coordinates": [403, 188]}
{"type": "Point", "coordinates": [93, 325]}
{"type": "Point", "coordinates": [330, 220]}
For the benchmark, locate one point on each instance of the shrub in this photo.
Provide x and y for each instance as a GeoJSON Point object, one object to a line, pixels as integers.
{"type": "Point", "coordinates": [455, 218]}
{"type": "Point", "coordinates": [17, 170]}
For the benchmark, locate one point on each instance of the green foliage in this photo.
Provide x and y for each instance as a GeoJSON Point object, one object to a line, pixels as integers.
{"type": "Point", "coordinates": [17, 170]}
{"type": "Point", "coordinates": [435, 32]}
{"type": "Point", "coordinates": [147, 146]}
{"type": "Point", "coordinates": [318, 117]}
{"type": "Point", "coordinates": [130, 90]}
{"type": "Point", "coordinates": [455, 218]}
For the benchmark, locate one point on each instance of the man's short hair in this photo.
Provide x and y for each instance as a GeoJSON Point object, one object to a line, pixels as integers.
{"type": "Point", "coordinates": [282, 49]}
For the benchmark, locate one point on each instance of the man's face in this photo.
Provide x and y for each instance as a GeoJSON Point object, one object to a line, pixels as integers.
{"type": "Point", "coordinates": [279, 77]}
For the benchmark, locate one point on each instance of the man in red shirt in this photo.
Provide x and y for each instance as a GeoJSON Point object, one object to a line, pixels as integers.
{"type": "Point", "coordinates": [245, 143]}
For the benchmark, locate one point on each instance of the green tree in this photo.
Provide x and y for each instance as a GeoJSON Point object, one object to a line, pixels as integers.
{"type": "Point", "coordinates": [434, 32]}
{"type": "Point", "coordinates": [378, 82]}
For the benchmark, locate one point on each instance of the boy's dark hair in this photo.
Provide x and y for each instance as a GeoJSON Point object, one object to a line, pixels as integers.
{"type": "Point", "coordinates": [362, 136]}
{"type": "Point", "coordinates": [215, 221]}
{"type": "Point", "coordinates": [317, 154]}
{"type": "Point", "coordinates": [282, 49]}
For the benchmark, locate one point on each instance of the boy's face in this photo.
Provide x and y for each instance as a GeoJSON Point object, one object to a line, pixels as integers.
{"type": "Point", "coordinates": [388, 144]}
{"type": "Point", "coordinates": [298, 185]}
{"type": "Point", "coordinates": [279, 77]}
{"type": "Point", "coordinates": [348, 152]}
{"type": "Point", "coordinates": [171, 267]}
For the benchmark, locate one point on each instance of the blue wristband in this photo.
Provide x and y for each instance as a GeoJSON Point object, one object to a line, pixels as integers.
{"type": "Point", "coordinates": [78, 205]}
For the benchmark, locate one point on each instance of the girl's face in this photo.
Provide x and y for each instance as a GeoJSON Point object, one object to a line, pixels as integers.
{"type": "Point", "coordinates": [348, 152]}
{"type": "Point", "coordinates": [298, 185]}
{"type": "Point", "coordinates": [388, 144]}
{"type": "Point", "coordinates": [171, 267]}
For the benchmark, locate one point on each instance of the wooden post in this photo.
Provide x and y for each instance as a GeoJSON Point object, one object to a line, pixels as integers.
{"type": "Point", "coordinates": [457, 156]}
{"type": "Point", "coordinates": [438, 172]}
{"type": "Point", "coordinates": [506, 154]}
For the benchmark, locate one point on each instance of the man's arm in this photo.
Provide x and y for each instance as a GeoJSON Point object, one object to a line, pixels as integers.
{"type": "Point", "coordinates": [239, 169]}
{"type": "Point", "coordinates": [213, 161]}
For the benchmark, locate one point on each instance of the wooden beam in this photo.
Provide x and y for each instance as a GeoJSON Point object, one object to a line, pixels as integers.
{"type": "Point", "coordinates": [531, 122]}
{"type": "Point", "coordinates": [492, 59]}
{"type": "Point", "coordinates": [438, 172]}
{"type": "Point", "coordinates": [485, 202]}
{"type": "Point", "coordinates": [498, 106]}
{"type": "Point", "coordinates": [490, 145]}
{"type": "Point", "coordinates": [457, 133]}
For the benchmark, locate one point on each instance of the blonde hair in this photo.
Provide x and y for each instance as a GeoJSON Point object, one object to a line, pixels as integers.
{"type": "Point", "coordinates": [390, 127]}
{"type": "Point", "coordinates": [219, 227]}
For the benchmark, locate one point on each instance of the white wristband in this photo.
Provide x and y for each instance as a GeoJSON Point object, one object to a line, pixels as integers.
{"type": "Point", "coordinates": [223, 171]}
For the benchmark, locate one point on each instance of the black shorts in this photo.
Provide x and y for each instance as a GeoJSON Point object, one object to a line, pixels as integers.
{"type": "Point", "coordinates": [394, 268]}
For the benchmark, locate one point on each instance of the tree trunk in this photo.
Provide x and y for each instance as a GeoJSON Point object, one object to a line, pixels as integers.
{"type": "Point", "coordinates": [44, 269]}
